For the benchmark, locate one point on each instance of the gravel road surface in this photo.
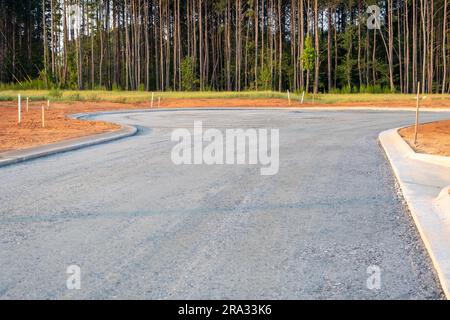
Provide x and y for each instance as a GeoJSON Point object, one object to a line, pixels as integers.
{"type": "Point", "coordinates": [141, 227]}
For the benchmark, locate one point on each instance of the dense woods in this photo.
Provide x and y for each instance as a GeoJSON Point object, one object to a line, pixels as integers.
{"type": "Point", "coordinates": [318, 46]}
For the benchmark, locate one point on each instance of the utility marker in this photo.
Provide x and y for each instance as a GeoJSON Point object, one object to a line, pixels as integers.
{"type": "Point", "coordinates": [48, 104]}
{"type": "Point", "coordinates": [43, 116]}
{"type": "Point", "coordinates": [159, 102]}
{"type": "Point", "coordinates": [417, 114]}
{"type": "Point", "coordinates": [28, 101]}
{"type": "Point", "coordinates": [303, 96]}
{"type": "Point", "coordinates": [289, 97]}
{"type": "Point", "coordinates": [153, 95]}
{"type": "Point", "coordinates": [19, 110]}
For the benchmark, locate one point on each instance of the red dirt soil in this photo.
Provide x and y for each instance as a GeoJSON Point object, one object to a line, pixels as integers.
{"type": "Point", "coordinates": [59, 127]}
{"type": "Point", "coordinates": [432, 138]}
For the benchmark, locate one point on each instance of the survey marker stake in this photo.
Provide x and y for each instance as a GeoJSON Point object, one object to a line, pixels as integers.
{"type": "Point", "coordinates": [19, 110]}
{"type": "Point", "coordinates": [416, 129]}
{"type": "Point", "coordinates": [43, 116]}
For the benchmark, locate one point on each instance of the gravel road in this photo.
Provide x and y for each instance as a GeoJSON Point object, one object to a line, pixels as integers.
{"type": "Point", "coordinates": [141, 227]}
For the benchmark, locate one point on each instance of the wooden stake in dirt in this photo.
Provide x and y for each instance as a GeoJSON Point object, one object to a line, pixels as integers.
{"type": "Point", "coordinates": [43, 116]}
{"type": "Point", "coordinates": [28, 101]}
{"type": "Point", "coordinates": [159, 102]}
{"type": "Point", "coordinates": [153, 95]}
{"type": "Point", "coordinates": [417, 114]}
{"type": "Point", "coordinates": [19, 110]}
{"type": "Point", "coordinates": [303, 96]}
{"type": "Point", "coordinates": [48, 104]}
{"type": "Point", "coordinates": [289, 97]}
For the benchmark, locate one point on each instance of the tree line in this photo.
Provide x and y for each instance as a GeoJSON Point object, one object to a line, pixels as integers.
{"type": "Point", "coordinates": [311, 45]}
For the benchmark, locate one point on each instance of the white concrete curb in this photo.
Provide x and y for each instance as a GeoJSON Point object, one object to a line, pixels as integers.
{"type": "Point", "coordinates": [421, 179]}
{"type": "Point", "coordinates": [438, 160]}
{"type": "Point", "coordinates": [410, 153]}
{"type": "Point", "coordinates": [442, 205]}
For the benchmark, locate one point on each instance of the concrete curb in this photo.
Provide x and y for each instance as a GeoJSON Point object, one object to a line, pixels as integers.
{"type": "Point", "coordinates": [431, 213]}
{"type": "Point", "coordinates": [438, 160]}
{"type": "Point", "coordinates": [410, 153]}
{"type": "Point", "coordinates": [18, 156]}
{"type": "Point", "coordinates": [442, 204]}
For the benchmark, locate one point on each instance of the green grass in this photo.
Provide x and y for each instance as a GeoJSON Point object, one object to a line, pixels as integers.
{"type": "Point", "coordinates": [138, 96]}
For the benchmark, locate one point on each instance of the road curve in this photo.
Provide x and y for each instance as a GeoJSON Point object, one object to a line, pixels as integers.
{"type": "Point", "coordinates": [140, 227]}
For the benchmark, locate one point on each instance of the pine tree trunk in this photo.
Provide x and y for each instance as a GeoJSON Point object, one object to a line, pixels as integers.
{"type": "Point", "coordinates": [316, 37]}
{"type": "Point", "coordinates": [329, 50]}
{"type": "Point", "coordinates": [444, 49]}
